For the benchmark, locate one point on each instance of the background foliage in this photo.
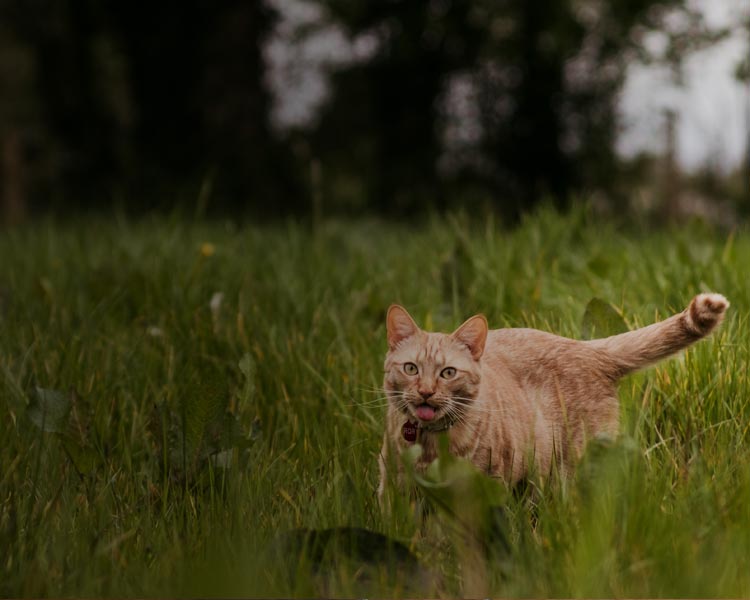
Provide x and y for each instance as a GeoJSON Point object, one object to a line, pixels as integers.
{"type": "Point", "coordinates": [107, 104]}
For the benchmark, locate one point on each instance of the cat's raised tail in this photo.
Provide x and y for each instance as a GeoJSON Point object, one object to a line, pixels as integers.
{"type": "Point", "coordinates": [637, 349]}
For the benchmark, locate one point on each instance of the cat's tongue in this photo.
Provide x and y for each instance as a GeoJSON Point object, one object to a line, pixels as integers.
{"type": "Point", "coordinates": [425, 412]}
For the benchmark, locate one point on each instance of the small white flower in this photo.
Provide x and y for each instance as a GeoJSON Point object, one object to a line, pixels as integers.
{"type": "Point", "coordinates": [223, 459]}
{"type": "Point", "coordinates": [155, 331]}
{"type": "Point", "coordinates": [216, 301]}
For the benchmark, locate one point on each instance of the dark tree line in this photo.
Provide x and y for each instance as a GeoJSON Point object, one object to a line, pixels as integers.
{"type": "Point", "coordinates": [114, 103]}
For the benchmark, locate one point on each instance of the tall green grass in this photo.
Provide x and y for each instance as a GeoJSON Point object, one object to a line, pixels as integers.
{"type": "Point", "coordinates": [176, 398]}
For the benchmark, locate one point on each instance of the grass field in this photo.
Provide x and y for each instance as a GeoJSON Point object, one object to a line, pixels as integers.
{"type": "Point", "coordinates": [175, 397]}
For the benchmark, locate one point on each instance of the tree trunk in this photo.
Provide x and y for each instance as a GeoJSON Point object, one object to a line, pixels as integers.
{"type": "Point", "coordinates": [13, 200]}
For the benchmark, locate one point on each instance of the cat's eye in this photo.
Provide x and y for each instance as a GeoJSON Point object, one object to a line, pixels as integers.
{"type": "Point", "coordinates": [448, 373]}
{"type": "Point", "coordinates": [410, 369]}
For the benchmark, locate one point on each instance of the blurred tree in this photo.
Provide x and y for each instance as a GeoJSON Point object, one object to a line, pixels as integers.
{"type": "Point", "coordinates": [18, 112]}
{"type": "Point", "coordinates": [523, 99]}
{"type": "Point", "coordinates": [742, 73]}
{"type": "Point", "coordinates": [249, 162]}
{"type": "Point", "coordinates": [75, 132]}
{"type": "Point", "coordinates": [159, 106]}
{"type": "Point", "coordinates": [382, 123]}
{"type": "Point", "coordinates": [169, 105]}
{"type": "Point", "coordinates": [55, 137]}
{"type": "Point", "coordinates": [197, 79]}
{"type": "Point", "coordinates": [550, 90]}
{"type": "Point", "coordinates": [546, 75]}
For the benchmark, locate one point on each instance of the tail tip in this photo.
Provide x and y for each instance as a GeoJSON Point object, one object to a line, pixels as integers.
{"type": "Point", "coordinates": [706, 311]}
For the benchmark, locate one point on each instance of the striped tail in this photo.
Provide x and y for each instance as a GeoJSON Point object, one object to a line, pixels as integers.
{"type": "Point", "coordinates": [637, 349]}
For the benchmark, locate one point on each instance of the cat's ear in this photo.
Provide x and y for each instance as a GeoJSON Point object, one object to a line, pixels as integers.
{"type": "Point", "coordinates": [399, 325]}
{"type": "Point", "coordinates": [473, 335]}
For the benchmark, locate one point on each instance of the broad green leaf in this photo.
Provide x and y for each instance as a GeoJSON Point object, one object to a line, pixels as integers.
{"type": "Point", "coordinates": [331, 548]}
{"type": "Point", "coordinates": [247, 368]}
{"type": "Point", "coordinates": [204, 405]}
{"type": "Point", "coordinates": [411, 455]}
{"type": "Point", "coordinates": [49, 409]}
{"type": "Point", "coordinates": [228, 433]}
{"type": "Point", "coordinates": [601, 320]}
{"type": "Point", "coordinates": [83, 458]}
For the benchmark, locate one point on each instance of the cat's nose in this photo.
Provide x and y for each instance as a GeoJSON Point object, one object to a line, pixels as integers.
{"type": "Point", "coordinates": [426, 394]}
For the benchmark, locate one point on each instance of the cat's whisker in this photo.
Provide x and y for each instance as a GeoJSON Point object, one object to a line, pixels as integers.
{"type": "Point", "coordinates": [485, 410]}
{"type": "Point", "coordinates": [458, 398]}
{"type": "Point", "coordinates": [381, 397]}
{"type": "Point", "coordinates": [377, 391]}
{"type": "Point", "coordinates": [464, 409]}
{"type": "Point", "coordinates": [458, 420]}
{"type": "Point", "coordinates": [371, 403]}
{"type": "Point", "coordinates": [395, 392]}
{"type": "Point", "coordinates": [396, 396]}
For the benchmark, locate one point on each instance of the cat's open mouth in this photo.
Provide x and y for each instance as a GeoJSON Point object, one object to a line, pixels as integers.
{"type": "Point", "coordinates": [425, 412]}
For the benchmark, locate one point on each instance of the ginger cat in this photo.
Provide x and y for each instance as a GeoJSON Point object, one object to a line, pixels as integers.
{"type": "Point", "coordinates": [507, 397]}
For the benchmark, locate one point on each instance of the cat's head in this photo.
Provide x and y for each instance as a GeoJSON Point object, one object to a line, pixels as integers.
{"type": "Point", "coordinates": [432, 377]}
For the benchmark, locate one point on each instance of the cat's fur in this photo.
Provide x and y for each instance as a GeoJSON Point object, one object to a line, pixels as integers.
{"type": "Point", "coordinates": [519, 395]}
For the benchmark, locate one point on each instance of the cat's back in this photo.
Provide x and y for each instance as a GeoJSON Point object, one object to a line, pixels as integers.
{"type": "Point", "coordinates": [527, 352]}
{"type": "Point", "coordinates": [523, 340]}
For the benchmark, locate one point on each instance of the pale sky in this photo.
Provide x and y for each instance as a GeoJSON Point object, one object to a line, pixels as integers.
{"type": "Point", "coordinates": [713, 107]}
